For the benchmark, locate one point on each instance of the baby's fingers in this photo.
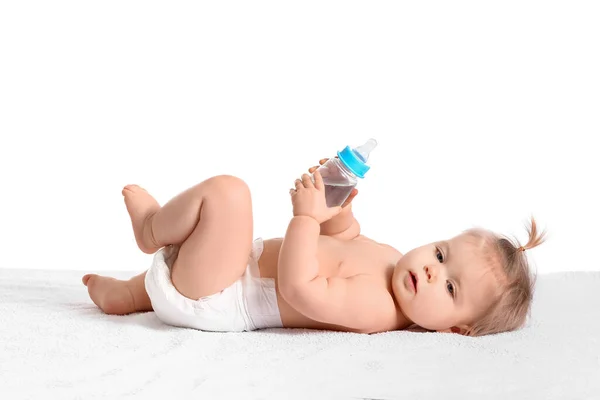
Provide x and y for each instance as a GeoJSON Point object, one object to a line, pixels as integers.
{"type": "Point", "coordinates": [350, 198]}
{"type": "Point", "coordinates": [318, 180]}
{"type": "Point", "coordinates": [321, 162]}
{"type": "Point", "coordinates": [307, 181]}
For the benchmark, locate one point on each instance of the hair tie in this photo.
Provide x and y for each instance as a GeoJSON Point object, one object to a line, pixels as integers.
{"type": "Point", "coordinates": [522, 249]}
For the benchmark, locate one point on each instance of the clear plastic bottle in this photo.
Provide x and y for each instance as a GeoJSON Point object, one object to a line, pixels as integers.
{"type": "Point", "coordinates": [340, 174]}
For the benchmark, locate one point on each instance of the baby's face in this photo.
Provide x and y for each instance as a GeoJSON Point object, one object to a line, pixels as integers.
{"type": "Point", "coordinates": [444, 284]}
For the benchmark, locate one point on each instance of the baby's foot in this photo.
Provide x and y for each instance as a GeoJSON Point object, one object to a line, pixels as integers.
{"type": "Point", "coordinates": [141, 207]}
{"type": "Point", "coordinates": [111, 295]}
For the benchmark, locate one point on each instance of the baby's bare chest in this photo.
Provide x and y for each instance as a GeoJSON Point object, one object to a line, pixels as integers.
{"type": "Point", "coordinates": [338, 258]}
{"type": "Point", "coordinates": [354, 257]}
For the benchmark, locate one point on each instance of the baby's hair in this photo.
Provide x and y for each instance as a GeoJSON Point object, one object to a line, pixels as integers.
{"type": "Point", "coordinates": [512, 306]}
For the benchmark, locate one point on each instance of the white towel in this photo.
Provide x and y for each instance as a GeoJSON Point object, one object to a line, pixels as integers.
{"type": "Point", "coordinates": [55, 344]}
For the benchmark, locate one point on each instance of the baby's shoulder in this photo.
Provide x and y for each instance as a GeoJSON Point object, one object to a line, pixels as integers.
{"type": "Point", "coordinates": [386, 246]}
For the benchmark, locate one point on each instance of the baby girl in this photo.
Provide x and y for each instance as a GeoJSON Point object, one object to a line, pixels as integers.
{"type": "Point", "coordinates": [209, 274]}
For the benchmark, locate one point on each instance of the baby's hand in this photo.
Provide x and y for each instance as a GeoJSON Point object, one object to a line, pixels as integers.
{"type": "Point", "coordinates": [352, 194]}
{"type": "Point", "coordinates": [308, 199]}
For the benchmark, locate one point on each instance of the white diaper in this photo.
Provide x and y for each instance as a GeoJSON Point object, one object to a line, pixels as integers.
{"type": "Point", "coordinates": [250, 303]}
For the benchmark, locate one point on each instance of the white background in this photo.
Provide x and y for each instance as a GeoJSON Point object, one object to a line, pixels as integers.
{"type": "Point", "coordinates": [485, 114]}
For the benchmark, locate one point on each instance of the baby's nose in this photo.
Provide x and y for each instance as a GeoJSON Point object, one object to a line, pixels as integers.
{"type": "Point", "coordinates": [431, 272]}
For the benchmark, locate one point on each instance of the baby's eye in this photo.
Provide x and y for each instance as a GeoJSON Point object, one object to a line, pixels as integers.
{"type": "Point", "coordinates": [450, 288]}
{"type": "Point", "coordinates": [439, 255]}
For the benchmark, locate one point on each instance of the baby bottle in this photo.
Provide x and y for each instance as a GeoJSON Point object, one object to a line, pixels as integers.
{"type": "Point", "coordinates": [340, 174]}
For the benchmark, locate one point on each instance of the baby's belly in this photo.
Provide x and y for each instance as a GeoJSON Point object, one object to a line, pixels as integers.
{"type": "Point", "coordinates": [328, 266]}
{"type": "Point", "coordinates": [290, 318]}
{"type": "Point", "coordinates": [331, 254]}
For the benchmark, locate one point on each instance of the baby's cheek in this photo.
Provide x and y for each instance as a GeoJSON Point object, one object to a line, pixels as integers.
{"type": "Point", "coordinates": [433, 312]}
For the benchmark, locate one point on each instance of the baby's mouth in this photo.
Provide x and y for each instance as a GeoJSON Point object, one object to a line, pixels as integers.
{"type": "Point", "coordinates": [414, 280]}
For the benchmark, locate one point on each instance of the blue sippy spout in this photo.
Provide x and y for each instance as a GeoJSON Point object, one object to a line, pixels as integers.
{"type": "Point", "coordinates": [356, 159]}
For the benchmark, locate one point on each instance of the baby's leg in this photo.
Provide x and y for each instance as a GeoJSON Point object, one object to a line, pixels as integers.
{"type": "Point", "coordinates": [212, 223]}
{"type": "Point", "coordinates": [114, 296]}
{"type": "Point", "coordinates": [214, 253]}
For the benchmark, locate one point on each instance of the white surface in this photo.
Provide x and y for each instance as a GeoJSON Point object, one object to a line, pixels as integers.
{"type": "Point", "coordinates": [55, 344]}
{"type": "Point", "coordinates": [485, 113]}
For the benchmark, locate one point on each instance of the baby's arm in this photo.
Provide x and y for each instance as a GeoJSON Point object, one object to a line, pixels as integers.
{"type": "Point", "coordinates": [343, 226]}
{"type": "Point", "coordinates": [341, 301]}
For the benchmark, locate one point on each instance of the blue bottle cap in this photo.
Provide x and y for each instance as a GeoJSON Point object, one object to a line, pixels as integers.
{"type": "Point", "coordinates": [356, 159]}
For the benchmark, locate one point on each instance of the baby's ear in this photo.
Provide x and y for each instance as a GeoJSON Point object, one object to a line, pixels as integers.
{"type": "Point", "coordinates": [461, 330]}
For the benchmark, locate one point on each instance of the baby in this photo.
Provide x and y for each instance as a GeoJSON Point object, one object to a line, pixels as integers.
{"type": "Point", "coordinates": [209, 274]}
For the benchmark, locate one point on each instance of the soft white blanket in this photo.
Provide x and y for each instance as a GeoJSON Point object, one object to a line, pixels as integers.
{"type": "Point", "coordinates": [55, 344]}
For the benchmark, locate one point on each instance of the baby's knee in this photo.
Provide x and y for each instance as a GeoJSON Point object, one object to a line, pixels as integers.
{"type": "Point", "coordinates": [229, 187]}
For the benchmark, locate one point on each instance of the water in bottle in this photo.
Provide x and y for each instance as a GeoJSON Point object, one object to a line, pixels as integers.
{"type": "Point", "coordinates": [340, 174]}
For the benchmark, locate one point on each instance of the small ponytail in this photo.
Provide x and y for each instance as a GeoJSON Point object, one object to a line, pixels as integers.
{"type": "Point", "coordinates": [510, 310]}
